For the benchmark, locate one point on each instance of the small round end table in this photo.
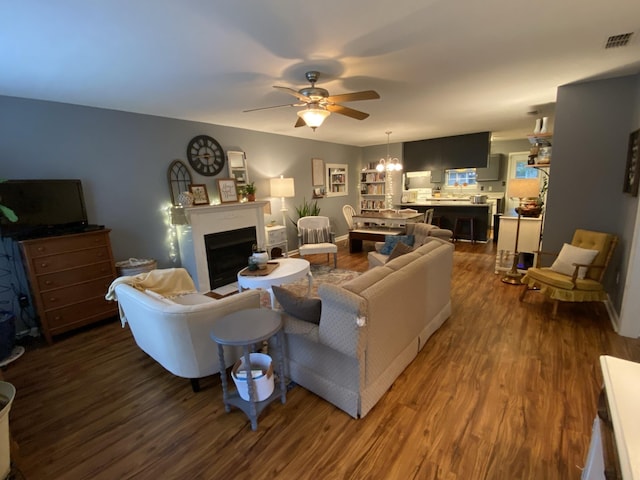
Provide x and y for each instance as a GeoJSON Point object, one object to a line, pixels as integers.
{"type": "Point", "coordinates": [246, 328]}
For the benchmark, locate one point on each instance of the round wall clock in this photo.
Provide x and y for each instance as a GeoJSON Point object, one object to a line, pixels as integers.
{"type": "Point", "coordinates": [205, 155]}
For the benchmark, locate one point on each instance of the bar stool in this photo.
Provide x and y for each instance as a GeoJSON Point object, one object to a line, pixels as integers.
{"type": "Point", "coordinates": [436, 220]}
{"type": "Point", "coordinates": [458, 227]}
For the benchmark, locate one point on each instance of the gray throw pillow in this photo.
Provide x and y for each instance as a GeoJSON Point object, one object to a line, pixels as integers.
{"type": "Point", "coordinates": [398, 250]}
{"type": "Point", "coordinates": [302, 308]}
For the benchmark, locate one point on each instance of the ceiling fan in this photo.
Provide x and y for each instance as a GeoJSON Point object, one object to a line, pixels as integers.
{"type": "Point", "coordinates": [319, 104]}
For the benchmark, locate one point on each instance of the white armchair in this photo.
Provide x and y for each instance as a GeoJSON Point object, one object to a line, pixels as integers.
{"type": "Point", "coordinates": [176, 332]}
{"type": "Point", "coordinates": [315, 236]}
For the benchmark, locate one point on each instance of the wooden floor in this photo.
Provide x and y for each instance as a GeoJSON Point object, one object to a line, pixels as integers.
{"type": "Point", "coordinates": [501, 391]}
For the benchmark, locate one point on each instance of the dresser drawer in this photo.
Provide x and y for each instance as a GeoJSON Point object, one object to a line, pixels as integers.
{"type": "Point", "coordinates": [65, 261]}
{"type": "Point", "coordinates": [77, 275]}
{"type": "Point", "coordinates": [72, 316]}
{"type": "Point", "coordinates": [61, 297]}
{"type": "Point", "coordinates": [55, 245]}
{"type": "Point", "coordinates": [276, 236]}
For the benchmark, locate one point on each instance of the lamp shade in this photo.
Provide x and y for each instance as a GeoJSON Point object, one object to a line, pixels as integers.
{"type": "Point", "coordinates": [523, 187]}
{"type": "Point", "coordinates": [314, 117]}
{"type": "Point", "coordinates": [282, 187]}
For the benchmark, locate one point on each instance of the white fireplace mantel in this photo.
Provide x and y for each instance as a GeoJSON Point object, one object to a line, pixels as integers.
{"type": "Point", "coordinates": [203, 220]}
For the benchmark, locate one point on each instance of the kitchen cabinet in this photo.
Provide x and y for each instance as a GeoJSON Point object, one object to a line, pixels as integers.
{"type": "Point", "coordinates": [492, 171]}
{"type": "Point", "coordinates": [373, 187]}
{"type": "Point", "coordinates": [459, 151]}
{"type": "Point", "coordinates": [528, 240]}
{"type": "Point", "coordinates": [69, 276]}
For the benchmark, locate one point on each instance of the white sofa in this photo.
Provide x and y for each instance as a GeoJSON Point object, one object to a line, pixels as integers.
{"type": "Point", "coordinates": [176, 332]}
{"type": "Point", "coordinates": [421, 231]}
{"type": "Point", "coordinates": [371, 328]}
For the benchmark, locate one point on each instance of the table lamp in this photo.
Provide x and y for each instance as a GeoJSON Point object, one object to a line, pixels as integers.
{"type": "Point", "coordinates": [283, 188]}
{"type": "Point", "coordinates": [520, 188]}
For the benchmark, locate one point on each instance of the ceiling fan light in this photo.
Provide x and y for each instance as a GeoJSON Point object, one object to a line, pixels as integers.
{"type": "Point", "coordinates": [314, 116]}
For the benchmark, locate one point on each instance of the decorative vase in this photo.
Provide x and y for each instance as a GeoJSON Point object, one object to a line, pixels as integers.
{"type": "Point", "coordinates": [251, 197]}
{"type": "Point", "coordinates": [543, 127]}
{"type": "Point", "coordinates": [260, 259]}
{"type": "Point", "coordinates": [538, 126]}
{"type": "Point", "coordinates": [185, 199]}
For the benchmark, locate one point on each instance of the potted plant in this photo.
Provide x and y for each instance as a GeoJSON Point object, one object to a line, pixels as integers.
{"type": "Point", "coordinates": [307, 209]}
{"type": "Point", "coordinates": [7, 212]}
{"type": "Point", "coordinates": [250, 191]}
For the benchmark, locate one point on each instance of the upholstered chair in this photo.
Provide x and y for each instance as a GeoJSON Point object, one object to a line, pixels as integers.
{"type": "Point", "coordinates": [576, 274]}
{"type": "Point", "coordinates": [315, 236]}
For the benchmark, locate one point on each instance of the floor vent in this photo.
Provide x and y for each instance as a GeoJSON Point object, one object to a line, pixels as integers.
{"type": "Point", "coordinates": [621, 40]}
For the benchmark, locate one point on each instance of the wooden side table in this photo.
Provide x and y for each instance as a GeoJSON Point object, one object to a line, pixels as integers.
{"type": "Point", "coordinates": [246, 328]}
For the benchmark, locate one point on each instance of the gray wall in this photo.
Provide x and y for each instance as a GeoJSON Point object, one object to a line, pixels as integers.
{"type": "Point", "coordinates": [592, 126]}
{"type": "Point", "coordinates": [122, 160]}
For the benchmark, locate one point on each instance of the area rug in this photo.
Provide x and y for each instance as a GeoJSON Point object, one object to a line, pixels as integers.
{"type": "Point", "coordinates": [322, 274]}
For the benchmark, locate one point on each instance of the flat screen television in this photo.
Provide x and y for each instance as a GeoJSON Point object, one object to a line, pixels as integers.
{"type": "Point", "coordinates": [43, 207]}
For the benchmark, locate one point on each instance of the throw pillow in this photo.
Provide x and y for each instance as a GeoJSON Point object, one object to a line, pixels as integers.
{"type": "Point", "coordinates": [315, 235]}
{"type": "Point", "coordinates": [571, 254]}
{"type": "Point", "coordinates": [307, 309]}
{"type": "Point", "coordinates": [390, 241]}
{"type": "Point", "coordinates": [398, 250]}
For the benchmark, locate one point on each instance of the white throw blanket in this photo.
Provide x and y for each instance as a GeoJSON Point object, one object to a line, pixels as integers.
{"type": "Point", "coordinates": [168, 282]}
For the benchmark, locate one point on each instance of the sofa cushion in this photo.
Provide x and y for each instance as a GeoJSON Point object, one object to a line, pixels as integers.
{"type": "Point", "coordinates": [307, 309]}
{"type": "Point", "coordinates": [399, 250]}
{"type": "Point", "coordinates": [391, 241]}
{"type": "Point", "coordinates": [367, 279]}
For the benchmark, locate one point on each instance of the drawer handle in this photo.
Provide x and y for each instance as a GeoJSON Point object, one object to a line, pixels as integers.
{"type": "Point", "coordinates": [48, 282]}
{"type": "Point", "coordinates": [57, 317]}
{"type": "Point", "coordinates": [100, 255]}
{"type": "Point", "coordinates": [41, 249]}
{"type": "Point", "coordinates": [44, 265]}
{"type": "Point", "coordinates": [53, 299]}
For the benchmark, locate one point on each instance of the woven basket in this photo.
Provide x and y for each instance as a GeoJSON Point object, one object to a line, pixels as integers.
{"type": "Point", "coordinates": [134, 266]}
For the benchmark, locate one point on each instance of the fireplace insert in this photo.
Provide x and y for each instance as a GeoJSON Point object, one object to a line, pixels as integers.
{"type": "Point", "coordinates": [228, 253]}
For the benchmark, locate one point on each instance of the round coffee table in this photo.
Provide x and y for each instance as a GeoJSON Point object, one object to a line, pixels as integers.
{"type": "Point", "coordinates": [288, 271]}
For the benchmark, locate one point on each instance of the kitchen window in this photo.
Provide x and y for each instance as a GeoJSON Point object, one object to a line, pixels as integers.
{"type": "Point", "coordinates": [461, 178]}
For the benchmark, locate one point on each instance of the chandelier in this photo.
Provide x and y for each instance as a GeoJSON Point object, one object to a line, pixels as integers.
{"type": "Point", "coordinates": [389, 164]}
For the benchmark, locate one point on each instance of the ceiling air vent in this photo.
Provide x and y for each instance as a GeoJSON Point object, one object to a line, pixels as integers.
{"type": "Point", "coordinates": [621, 40]}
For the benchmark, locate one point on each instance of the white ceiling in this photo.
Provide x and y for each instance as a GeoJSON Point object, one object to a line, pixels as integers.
{"type": "Point", "coordinates": [441, 67]}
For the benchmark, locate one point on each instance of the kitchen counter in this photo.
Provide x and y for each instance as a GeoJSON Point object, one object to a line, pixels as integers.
{"type": "Point", "coordinates": [445, 202]}
{"type": "Point", "coordinates": [448, 211]}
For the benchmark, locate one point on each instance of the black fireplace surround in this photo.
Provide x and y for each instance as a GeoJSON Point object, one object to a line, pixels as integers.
{"type": "Point", "coordinates": [228, 253]}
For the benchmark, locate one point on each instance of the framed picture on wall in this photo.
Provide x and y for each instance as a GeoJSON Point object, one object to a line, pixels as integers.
{"type": "Point", "coordinates": [200, 195]}
{"type": "Point", "coordinates": [317, 172]}
{"type": "Point", "coordinates": [632, 170]}
{"type": "Point", "coordinates": [228, 190]}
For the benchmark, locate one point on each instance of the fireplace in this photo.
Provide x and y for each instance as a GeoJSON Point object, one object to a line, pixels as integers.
{"type": "Point", "coordinates": [228, 253]}
{"type": "Point", "coordinates": [213, 219]}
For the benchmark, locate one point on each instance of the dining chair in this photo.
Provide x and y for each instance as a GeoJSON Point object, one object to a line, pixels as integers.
{"type": "Point", "coordinates": [348, 211]}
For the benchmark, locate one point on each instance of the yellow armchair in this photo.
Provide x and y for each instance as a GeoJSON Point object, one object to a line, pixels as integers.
{"type": "Point", "coordinates": [585, 282]}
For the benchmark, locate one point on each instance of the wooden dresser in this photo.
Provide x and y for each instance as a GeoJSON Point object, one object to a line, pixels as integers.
{"type": "Point", "coordinates": [69, 277]}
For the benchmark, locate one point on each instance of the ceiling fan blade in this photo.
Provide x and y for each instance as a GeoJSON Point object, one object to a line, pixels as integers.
{"type": "Point", "coordinates": [291, 91]}
{"type": "Point", "coordinates": [274, 106]}
{"type": "Point", "coordinates": [355, 96]}
{"type": "Point", "coordinates": [349, 112]}
{"type": "Point", "coordinates": [300, 123]}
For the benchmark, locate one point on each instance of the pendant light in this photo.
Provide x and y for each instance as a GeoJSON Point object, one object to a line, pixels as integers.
{"type": "Point", "coordinates": [389, 164]}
